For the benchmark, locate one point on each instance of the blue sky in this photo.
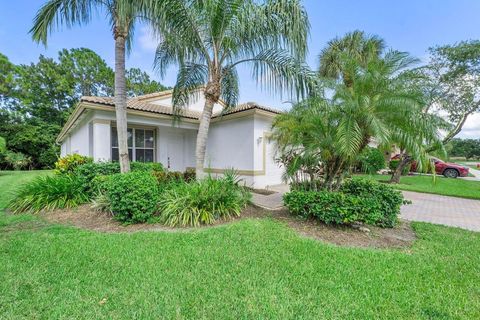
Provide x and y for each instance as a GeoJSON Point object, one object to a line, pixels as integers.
{"type": "Point", "coordinates": [406, 25]}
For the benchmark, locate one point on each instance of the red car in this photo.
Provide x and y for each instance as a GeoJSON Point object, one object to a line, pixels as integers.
{"type": "Point", "coordinates": [447, 169]}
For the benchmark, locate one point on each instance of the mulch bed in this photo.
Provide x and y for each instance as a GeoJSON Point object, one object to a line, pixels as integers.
{"type": "Point", "coordinates": [402, 236]}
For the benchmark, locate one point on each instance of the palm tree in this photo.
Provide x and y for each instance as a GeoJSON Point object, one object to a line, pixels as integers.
{"type": "Point", "coordinates": [377, 105]}
{"type": "Point", "coordinates": [122, 15]}
{"type": "Point", "coordinates": [354, 45]}
{"type": "Point", "coordinates": [209, 39]}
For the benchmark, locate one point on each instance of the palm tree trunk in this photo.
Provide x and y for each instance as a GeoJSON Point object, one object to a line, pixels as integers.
{"type": "Point", "coordinates": [202, 137]}
{"type": "Point", "coordinates": [121, 103]}
{"type": "Point", "coordinates": [405, 159]}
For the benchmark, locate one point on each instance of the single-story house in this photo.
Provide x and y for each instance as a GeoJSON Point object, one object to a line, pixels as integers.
{"type": "Point", "coordinates": [238, 138]}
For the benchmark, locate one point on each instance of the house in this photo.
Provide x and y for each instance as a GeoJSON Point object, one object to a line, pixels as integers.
{"type": "Point", "coordinates": [238, 138]}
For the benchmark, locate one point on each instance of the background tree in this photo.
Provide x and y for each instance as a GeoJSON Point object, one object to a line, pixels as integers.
{"type": "Point", "coordinates": [209, 39]}
{"type": "Point", "coordinates": [467, 148]}
{"type": "Point", "coordinates": [122, 15]}
{"type": "Point", "coordinates": [139, 83]}
{"type": "Point", "coordinates": [88, 71]}
{"type": "Point", "coordinates": [452, 82]}
{"type": "Point", "coordinates": [36, 99]}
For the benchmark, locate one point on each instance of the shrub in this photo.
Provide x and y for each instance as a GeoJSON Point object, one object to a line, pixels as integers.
{"type": "Point", "coordinates": [168, 176]}
{"type": "Point", "coordinates": [329, 207]}
{"type": "Point", "coordinates": [371, 160]}
{"type": "Point", "coordinates": [394, 164]}
{"type": "Point", "coordinates": [17, 160]}
{"type": "Point", "coordinates": [48, 193]}
{"type": "Point", "coordinates": [201, 202]}
{"type": "Point", "coordinates": [70, 163]}
{"type": "Point", "coordinates": [133, 196]}
{"type": "Point", "coordinates": [359, 200]}
{"type": "Point", "coordinates": [91, 173]}
{"type": "Point", "coordinates": [189, 175]}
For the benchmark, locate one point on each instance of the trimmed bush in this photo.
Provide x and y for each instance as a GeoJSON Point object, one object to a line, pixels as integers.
{"type": "Point", "coordinates": [383, 201]}
{"type": "Point", "coordinates": [90, 173]}
{"type": "Point", "coordinates": [201, 202]}
{"type": "Point", "coordinates": [70, 163]}
{"type": "Point", "coordinates": [371, 160]}
{"type": "Point", "coordinates": [359, 200]}
{"type": "Point", "coordinates": [48, 193]}
{"type": "Point", "coordinates": [132, 196]}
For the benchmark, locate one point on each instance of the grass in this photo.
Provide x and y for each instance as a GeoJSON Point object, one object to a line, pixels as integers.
{"type": "Point", "coordinates": [441, 185]}
{"type": "Point", "coordinates": [255, 268]}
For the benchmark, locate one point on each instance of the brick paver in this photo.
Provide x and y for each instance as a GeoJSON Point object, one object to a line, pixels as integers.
{"type": "Point", "coordinates": [450, 211]}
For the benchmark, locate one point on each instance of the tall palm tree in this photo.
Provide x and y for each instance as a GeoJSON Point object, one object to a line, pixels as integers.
{"type": "Point", "coordinates": [354, 45]}
{"type": "Point", "coordinates": [209, 39]}
{"type": "Point", "coordinates": [122, 15]}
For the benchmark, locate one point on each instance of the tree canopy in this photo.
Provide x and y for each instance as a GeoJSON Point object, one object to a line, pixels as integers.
{"type": "Point", "coordinates": [37, 98]}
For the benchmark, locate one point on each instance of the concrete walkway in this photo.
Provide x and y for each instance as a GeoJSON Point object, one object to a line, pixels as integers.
{"type": "Point", "coordinates": [433, 208]}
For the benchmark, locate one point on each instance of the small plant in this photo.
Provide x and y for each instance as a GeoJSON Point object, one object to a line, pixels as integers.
{"type": "Point", "coordinates": [17, 160]}
{"type": "Point", "coordinates": [164, 177]}
{"type": "Point", "coordinates": [189, 175]}
{"type": "Point", "coordinates": [133, 196]}
{"type": "Point", "coordinates": [201, 202]}
{"type": "Point", "coordinates": [48, 193]}
{"type": "Point", "coordinates": [70, 163]}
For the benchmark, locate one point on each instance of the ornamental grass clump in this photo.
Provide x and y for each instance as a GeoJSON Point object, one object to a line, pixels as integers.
{"type": "Point", "coordinates": [202, 202]}
{"type": "Point", "coordinates": [49, 193]}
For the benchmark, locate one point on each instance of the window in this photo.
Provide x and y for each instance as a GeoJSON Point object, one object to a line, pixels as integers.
{"type": "Point", "coordinates": [141, 144]}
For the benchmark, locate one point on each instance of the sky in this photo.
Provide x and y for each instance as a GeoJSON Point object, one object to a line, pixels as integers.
{"type": "Point", "coordinates": [406, 25]}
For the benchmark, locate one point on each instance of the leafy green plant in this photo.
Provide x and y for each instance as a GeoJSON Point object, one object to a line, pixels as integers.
{"type": "Point", "coordinates": [358, 200]}
{"type": "Point", "coordinates": [48, 193]}
{"type": "Point", "coordinates": [70, 163]}
{"type": "Point", "coordinates": [133, 196]}
{"type": "Point", "coordinates": [168, 176]}
{"type": "Point", "coordinates": [202, 202]}
{"type": "Point", "coordinates": [90, 173]}
{"type": "Point", "coordinates": [371, 160]}
{"type": "Point", "coordinates": [383, 202]}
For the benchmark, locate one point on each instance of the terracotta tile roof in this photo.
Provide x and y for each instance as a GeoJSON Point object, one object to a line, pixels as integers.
{"type": "Point", "coordinates": [247, 106]}
{"type": "Point", "coordinates": [135, 104]}
{"type": "Point", "coordinates": [138, 104]}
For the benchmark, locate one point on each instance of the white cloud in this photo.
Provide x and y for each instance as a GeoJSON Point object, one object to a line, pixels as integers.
{"type": "Point", "coordinates": [147, 39]}
{"type": "Point", "coordinates": [471, 129]}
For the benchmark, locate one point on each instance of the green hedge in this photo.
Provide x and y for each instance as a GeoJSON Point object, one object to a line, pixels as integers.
{"type": "Point", "coordinates": [359, 200]}
{"type": "Point", "coordinates": [132, 196]}
{"type": "Point", "coordinates": [91, 173]}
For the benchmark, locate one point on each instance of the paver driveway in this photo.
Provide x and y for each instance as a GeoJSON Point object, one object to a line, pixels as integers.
{"type": "Point", "coordinates": [450, 211]}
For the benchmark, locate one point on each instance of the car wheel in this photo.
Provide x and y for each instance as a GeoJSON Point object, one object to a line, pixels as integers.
{"type": "Point", "coordinates": [450, 173]}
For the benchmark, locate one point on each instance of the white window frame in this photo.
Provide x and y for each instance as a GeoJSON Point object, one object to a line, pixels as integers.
{"type": "Point", "coordinates": [134, 154]}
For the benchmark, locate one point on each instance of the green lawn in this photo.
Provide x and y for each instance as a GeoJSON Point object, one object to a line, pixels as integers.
{"type": "Point", "coordinates": [439, 185]}
{"type": "Point", "coordinates": [250, 269]}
